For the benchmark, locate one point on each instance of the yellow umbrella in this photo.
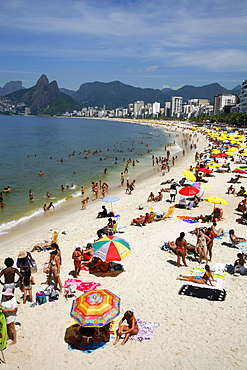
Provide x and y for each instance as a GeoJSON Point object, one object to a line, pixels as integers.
{"type": "Point", "coordinates": [213, 164]}
{"type": "Point", "coordinates": [233, 149]}
{"type": "Point", "coordinates": [243, 154]}
{"type": "Point", "coordinates": [215, 200]}
{"type": "Point", "coordinates": [231, 153]}
{"type": "Point", "coordinates": [189, 175]}
{"type": "Point", "coordinates": [215, 151]}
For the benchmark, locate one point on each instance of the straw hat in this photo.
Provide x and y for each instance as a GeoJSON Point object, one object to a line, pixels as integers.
{"type": "Point", "coordinates": [22, 254]}
{"type": "Point", "coordinates": [9, 292]}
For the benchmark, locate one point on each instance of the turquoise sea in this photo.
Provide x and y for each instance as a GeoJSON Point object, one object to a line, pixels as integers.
{"type": "Point", "coordinates": [57, 147]}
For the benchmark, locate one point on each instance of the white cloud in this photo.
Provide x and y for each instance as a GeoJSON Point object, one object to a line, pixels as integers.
{"type": "Point", "coordinates": [150, 68]}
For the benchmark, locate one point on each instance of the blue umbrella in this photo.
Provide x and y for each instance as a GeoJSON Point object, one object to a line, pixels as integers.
{"type": "Point", "coordinates": [110, 199]}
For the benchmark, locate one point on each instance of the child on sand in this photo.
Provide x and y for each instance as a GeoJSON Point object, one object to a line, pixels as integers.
{"type": "Point", "coordinates": [128, 330]}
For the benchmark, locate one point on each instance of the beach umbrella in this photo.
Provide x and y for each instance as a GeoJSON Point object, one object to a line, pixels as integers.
{"type": "Point", "coordinates": [213, 164]}
{"type": "Point", "coordinates": [205, 170]}
{"type": "Point", "coordinates": [110, 199]}
{"type": "Point", "coordinates": [189, 175]}
{"type": "Point", "coordinates": [219, 155]}
{"type": "Point", "coordinates": [215, 200]}
{"type": "Point", "coordinates": [95, 308]}
{"type": "Point", "coordinates": [189, 191]}
{"type": "Point", "coordinates": [243, 154]}
{"type": "Point", "coordinates": [111, 248]}
{"type": "Point", "coordinates": [200, 185]}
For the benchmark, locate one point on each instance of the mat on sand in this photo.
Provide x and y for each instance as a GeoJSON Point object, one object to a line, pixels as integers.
{"type": "Point", "coordinates": [199, 292]}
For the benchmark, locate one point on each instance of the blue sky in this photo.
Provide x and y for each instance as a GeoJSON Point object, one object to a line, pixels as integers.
{"type": "Point", "coordinates": [158, 43]}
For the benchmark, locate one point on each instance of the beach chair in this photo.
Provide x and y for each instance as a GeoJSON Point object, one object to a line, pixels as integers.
{"type": "Point", "coordinates": [166, 215]}
{"type": "Point", "coordinates": [158, 213]}
{"type": "Point", "coordinates": [182, 202]}
{"type": "Point", "coordinates": [169, 213]}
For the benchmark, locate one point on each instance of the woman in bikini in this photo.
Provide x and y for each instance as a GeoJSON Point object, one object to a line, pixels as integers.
{"type": "Point", "coordinates": [77, 257]}
{"type": "Point", "coordinates": [128, 330]}
{"type": "Point", "coordinates": [206, 278]}
{"type": "Point", "coordinates": [55, 265]}
{"type": "Point", "coordinates": [181, 249]}
{"type": "Point", "coordinates": [201, 246]}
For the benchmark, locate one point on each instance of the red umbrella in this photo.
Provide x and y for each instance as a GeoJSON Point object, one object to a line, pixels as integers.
{"type": "Point", "coordinates": [238, 170]}
{"type": "Point", "coordinates": [189, 191]}
{"type": "Point", "coordinates": [205, 170]}
{"type": "Point", "coordinates": [219, 155]}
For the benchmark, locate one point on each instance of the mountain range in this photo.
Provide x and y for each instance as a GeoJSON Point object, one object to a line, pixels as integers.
{"type": "Point", "coordinates": [46, 97]}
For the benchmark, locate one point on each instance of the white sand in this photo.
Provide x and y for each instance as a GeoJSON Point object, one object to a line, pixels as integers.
{"type": "Point", "coordinates": [194, 333]}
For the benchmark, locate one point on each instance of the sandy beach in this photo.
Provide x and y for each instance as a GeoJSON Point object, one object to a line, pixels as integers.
{"type": "Point", "coordinates": [193, 333]}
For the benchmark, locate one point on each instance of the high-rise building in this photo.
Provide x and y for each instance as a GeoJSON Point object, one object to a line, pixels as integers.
{"type": "Point", "coordinates": [138, 108]}
{"type": "Point", "coordinates": [176, 106]}
{"type": "Point", "coordinates": [156, 109]}
{"type": "Point", "coordinates": [243, 98]}
{"type": "Point", "coordinates": [220, 101]}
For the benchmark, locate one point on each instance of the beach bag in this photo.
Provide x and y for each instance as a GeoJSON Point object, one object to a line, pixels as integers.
{"type": "Point", "coordinates": [46, 268]}
{"type": "Point", "coordinates": [31, 263]}
{"type": "Point", "coordinates": [41, 297]}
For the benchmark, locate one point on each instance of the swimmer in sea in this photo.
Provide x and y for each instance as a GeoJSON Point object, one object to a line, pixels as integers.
{"type": "Point", "coordinates": [30, 195]}
{"type": "Point", "coordinates": [41, 173]}
{"type": "Point", "coordinates": [206, 278]}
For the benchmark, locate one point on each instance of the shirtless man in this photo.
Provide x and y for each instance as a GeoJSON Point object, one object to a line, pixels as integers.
{"type": "Point", "coordinates": [9, 274]}
{"type": "Point", "coordinates": [206, 278]}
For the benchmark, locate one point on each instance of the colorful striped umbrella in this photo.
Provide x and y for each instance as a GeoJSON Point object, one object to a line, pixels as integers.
{"type": "Point", "coordinates": [95, 308]}
{"type": "Point", "coordinates": [111, 248]}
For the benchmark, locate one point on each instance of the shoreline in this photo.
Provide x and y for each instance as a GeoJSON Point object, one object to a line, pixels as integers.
{"type": "Point", "coordinates": [189, 327]}
{"type": "Point", "coordinates": [72, 203]}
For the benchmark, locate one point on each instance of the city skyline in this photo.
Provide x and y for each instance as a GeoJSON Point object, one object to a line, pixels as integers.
{"type": "Point", "coordinates": [144, 44]}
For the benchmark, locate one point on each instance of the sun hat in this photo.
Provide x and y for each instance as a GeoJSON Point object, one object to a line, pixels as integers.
{"type": "Point", "coordinates": [78, 246]}
{"type": "Point", "coordinates": [8, 291]}
{"type": "Point", "coordinates": [22, 254]}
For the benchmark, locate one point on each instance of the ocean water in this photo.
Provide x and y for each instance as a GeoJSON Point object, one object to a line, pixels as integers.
{"type": "Point", "coordinates": [57, 147]}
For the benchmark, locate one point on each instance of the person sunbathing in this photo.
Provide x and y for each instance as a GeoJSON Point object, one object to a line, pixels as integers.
{"type": "Point", "coordinates": [241, 192]}
{"type": "Point", "coordinates": [234, 179]}
{"type": "Point", "coordinates": [159, 197]}
{"type": "Point", "coordinates": [230, 190]}
{"type": "Point", "coordinates": [150, 197]}
{"type": "Point", "coordinates": [103, 213]}
{"type": "Point", "coordinates": [84, 338]}
{"type": "Point", "coordinates": [206, 278]}
{"type": "Point", "coordinates": [218, 232]}
{"type": "Point", "coordinates": [235, 239]}
{"type": "Point", "coordinates": [97, 265]}
{"type": "Point", "coordinates": [140, 221]}
{"type": "Point", "coordinates": [130, 329]}
{"type": "Point", "coordinates": [217, 214]}
{"type": "Point", "coordinates": [239, 264]}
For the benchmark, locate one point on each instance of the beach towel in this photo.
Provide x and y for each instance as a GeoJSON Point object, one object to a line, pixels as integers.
{"type": "Point", "coordinates": [146, 330]}
{"type": "Point", "coordinates": [189, 219]}
{"type": "Point", "coordinates": [219, 284]}
{"type": "Point", "coordinates": [242, 246]}
{"type": "Point", "coordinates": [94, 347]}
{"type": "Point", "coordinates": [80, 285]}
{"type": "Point", "coordinates": [200, 292]}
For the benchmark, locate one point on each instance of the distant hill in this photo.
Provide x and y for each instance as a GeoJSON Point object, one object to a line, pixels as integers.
{"type": "Point", "coordinates": [67, 91]}
{"type": "Point", "coordinates": [10, 87]}
{"type": "Point", "coordinates": [115, 94]}
{"type": "Point", "coordinates": [45, 98]}
{"type": "Point", "coordinates": [203, 92]}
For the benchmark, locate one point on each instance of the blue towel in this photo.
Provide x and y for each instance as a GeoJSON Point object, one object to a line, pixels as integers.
{"type": "Point", "coordinates": [96, 345]}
